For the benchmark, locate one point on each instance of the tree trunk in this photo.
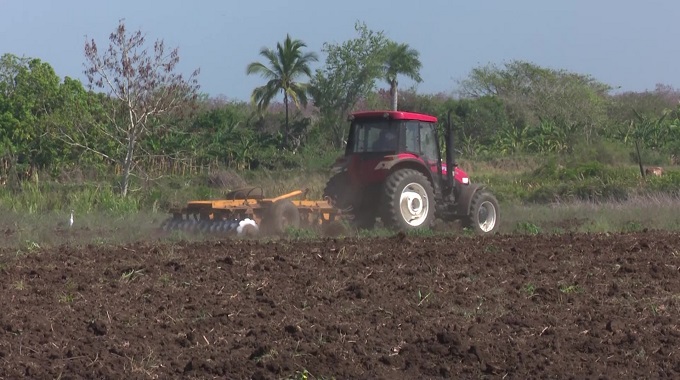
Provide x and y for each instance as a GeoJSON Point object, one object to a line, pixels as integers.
{"type": "Point", "coordinates": [393, 93]}
{"type": "Point", "coordinates": [340, 127]}
{"type": "Point", "coordinates": [127, 167]}
{"type": "Point", "coordinates": [339, 135]}
{"type": "Point", "coordinates": [639, 157]}
{"type": "Point", "coordinates": [285, 128]}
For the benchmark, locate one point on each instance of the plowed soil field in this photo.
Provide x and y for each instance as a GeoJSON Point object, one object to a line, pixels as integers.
{"type": "Point", "coordinates": [402, 307]}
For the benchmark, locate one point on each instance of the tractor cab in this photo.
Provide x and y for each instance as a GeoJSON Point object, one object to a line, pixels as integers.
{"type": "Point", "coordinates": [393, 132]}
{"type": "Point", "coordinates": [380, 140]}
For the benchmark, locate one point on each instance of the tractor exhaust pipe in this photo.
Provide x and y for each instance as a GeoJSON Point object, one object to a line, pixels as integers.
{"type": "Point", "coordinates": [450, 163]}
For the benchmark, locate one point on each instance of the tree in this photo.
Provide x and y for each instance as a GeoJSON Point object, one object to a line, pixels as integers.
{"type": "Point", "coordinates": [10, 66]}
{"type": "Point", "coordinates": [29, 96]}
{"type": "Point", "coordinates": [286, 65]}
{"type": "Point", "coordinates": [575, 104]}
{"type": "Point", "coordinates": [349, 75]}
{"type": "Point", "coordinates": [400, 59]}
{"type": "Point", "coordinates": [144, 87]}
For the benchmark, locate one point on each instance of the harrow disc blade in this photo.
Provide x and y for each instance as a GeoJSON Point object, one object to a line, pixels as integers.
{"type": "Point", "coordinates": [245, 226]}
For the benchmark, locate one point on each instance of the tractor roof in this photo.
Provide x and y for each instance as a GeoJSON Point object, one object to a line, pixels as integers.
{"type": "Point", "coordinates": [395, 115]}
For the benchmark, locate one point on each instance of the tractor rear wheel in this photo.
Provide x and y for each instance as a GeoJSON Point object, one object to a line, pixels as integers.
{"type": "Point", "coordinates": [484, 213]}
{"type": "Point", "coordinates": [408, 200]}
{"type": "Point", "coordinates": [344, 197]}
{"type": "Point", "coordinates": [281, 216]}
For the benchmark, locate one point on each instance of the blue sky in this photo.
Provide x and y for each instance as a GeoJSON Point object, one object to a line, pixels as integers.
{"type": "Point", "coordinates": [628, 44]}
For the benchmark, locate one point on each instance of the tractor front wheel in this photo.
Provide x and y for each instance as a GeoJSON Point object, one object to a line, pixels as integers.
{"type": "Point", "coordinates": [484, 213]}
{"type": "Point", "coordinates": [408, 200]}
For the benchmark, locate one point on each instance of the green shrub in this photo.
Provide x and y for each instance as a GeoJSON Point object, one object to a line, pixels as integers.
{"type": "Point", "coordinates": [527, 228]}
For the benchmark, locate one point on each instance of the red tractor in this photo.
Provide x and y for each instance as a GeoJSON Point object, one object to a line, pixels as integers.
{"type": "Point", "coordinates": [393, 169]}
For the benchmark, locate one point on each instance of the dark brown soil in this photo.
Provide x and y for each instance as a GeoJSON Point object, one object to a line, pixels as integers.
{"type": "Point", "coordinates": [514, 307]}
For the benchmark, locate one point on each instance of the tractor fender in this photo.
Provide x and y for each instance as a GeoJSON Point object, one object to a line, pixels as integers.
{"type": "Point", "coordinates": [465, 197]}
{"type": "Point", "coordinates": [395, 162]}
{"type": "Point", "coordinates": [392, 165]}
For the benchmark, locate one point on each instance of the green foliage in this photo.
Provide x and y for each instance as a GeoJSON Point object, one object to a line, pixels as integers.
{"type": "Point", "coordinates": [400, 59]}
{"type": "Point", "coordinates": [373, 233]}
{"type": "Point", "coordinates": [306, 375]}
{"type": "Point", "coordinates": [529, 289]}
{"type": "Point", "coordinates": [527, 228]}
{"type": "Point", "coordinates": [47, 197]}
{"type": "Point", "coordinates": [651, 132]}
{"type": "Point", "coordinates": [542, 103]}
{"type": "Point", "coordinates": [669, 183]}
{"type": "Point", "coordinates": [31, 246]}
{"type": "Point", "coordinates": [632, 227]}
{"type": "Point", "coordinates": [551, 170]}
{"type": "Point", "coordinates": [570, 289]}
{"type": "Point", "coordinates": [591, 190]}
{"type": "Point", "coordinates": [602, 150]}
{"type": "Point", "coordinates": [222, 133]}
{"type": "Point", "coordinates": [422, 297]}
{"type": "Point", "coordinates": [422, 232]}
{"type": "Point", "coordinates": [564, 179]}
{"type": "Point", "coordinates": [301, 234]}
{"type": "Point", "coordinates": [66, 298]}
{"type": "Point", "coordinates": [31, 99]}
{"type": "Point", "coordinates": [582, 171]}
{"type": "Point", "coordinates": [131, 274]}
{"type": "Point", "coordinates": [477, 123]}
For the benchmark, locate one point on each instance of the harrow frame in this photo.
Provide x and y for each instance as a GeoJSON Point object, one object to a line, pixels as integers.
{"type": "Point", "coordinates": [246, 203]}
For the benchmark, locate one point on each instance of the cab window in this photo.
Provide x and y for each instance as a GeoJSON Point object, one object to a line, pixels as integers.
{"type": "Point", "coordinates": [420, 139]}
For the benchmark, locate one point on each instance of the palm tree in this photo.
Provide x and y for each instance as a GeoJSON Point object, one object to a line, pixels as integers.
{"type": "Point", "coordinates": [285, 65]}
{"type": "Point", "coordinates": [400, 59]}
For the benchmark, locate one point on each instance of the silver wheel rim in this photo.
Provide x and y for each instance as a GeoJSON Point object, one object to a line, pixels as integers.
{"type": "Point", "coordinates": [414, 204]}
{"type": "Point", "coordinates": [486, 216]}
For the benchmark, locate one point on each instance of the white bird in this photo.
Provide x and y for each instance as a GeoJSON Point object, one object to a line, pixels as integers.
{"type": "Point", "coordinates": [70, 221]}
